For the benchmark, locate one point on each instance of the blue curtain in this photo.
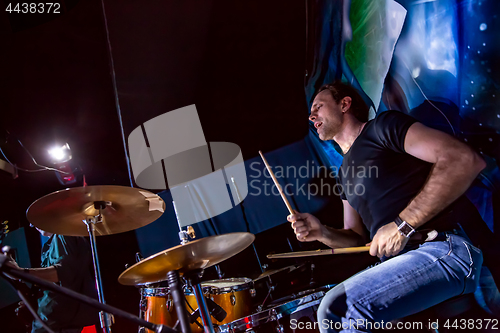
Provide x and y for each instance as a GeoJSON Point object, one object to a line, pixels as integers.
{"type": "Point", "coordinates": [434, 60]}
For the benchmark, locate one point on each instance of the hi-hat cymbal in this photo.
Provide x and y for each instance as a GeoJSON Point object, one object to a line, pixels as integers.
{"type": "Point", "coordinates": [198, 254]}
{"type": "Point", "coordinates": [274, 271]}
{"type": "Point", "coordinates": [126, 208]}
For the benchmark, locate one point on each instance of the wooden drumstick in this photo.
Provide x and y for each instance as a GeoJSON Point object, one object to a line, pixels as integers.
{"type": "Point", "coordinates": [318, 252]}
{"type": "Point", "coordinates": [305, 253]}
{"type": "Point", "coordinates": [285, 200]}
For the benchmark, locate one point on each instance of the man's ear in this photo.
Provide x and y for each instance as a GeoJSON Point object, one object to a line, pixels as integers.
{"type": "Point", "coordinates": [346, 103]}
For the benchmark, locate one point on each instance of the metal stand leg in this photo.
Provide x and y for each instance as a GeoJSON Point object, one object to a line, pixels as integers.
{"type": "Point", "coordinates": [194, 280]}
{"type": "Point", "coordinates": [202, 306]}
{"type": "Point", "coordinates": [175, 286]}
{"type": "Point", "coordinates": [104, 317]}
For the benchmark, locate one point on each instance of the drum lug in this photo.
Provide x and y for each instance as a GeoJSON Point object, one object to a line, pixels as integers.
{"type": "Point", "coordinates": [142, 330]}
{"type": "Point", "coordinates": [233, 299]}
{"type": "Point", "coordinates": [253, 292]}
{"type": "Point", "coordinates": [143, 305]}
{"type": "Point", "coordinates": [169, 304]}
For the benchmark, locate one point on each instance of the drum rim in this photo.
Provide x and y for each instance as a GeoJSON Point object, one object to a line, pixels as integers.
{"type": "Point", "coordinates": [253, 320]}
{"type": "Point", "coordinates": [155, 292]}
{"type": "Point", "coordinates": [214, 290]}
{"type": "Point", "coordinates": [299, 301]}
{"type": "Point", "coordinates": [274, 313]}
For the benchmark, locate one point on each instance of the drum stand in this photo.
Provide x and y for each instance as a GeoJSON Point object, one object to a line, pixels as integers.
{"type": "Point", "coordinates": [193, 279]}
{"type": "Point", "coordinates": [90, 221]}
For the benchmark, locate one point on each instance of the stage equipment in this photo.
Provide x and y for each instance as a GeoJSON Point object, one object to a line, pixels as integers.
{"type": "Point", "coordinates": [60, 154]}
{"type": "Point", "coordinates": [282, 318]}
{"type": "Point", "coordinates": [69, 171]}
{"type": "Point", "coordinates": [95, 210]}
{"type": "Point", "coordinates": [270, 272]}
{"type": "Point", "coordinates": [8, 272]}
{"type": "Point", "coordinates": [189, 260]}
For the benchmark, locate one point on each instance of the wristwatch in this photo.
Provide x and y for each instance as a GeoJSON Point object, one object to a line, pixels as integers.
{"type": "Point", "coordinates": [404, 227]}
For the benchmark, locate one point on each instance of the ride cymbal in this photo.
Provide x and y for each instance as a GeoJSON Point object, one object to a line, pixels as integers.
{"type": "Point", "coordinates": [198, 254]}
{"type": "Point", "coordinates": [125, 208]}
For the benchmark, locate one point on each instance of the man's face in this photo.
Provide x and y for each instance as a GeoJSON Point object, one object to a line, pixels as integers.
{"type": "Point", "coordinates": [326, 115]}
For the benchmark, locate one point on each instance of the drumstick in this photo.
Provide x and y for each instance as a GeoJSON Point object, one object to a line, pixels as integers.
{"type": "Point", "coordinates": [305, 253]}
{"type": "Point", "coordinates": [285, 200]}
{"type": "Point", "coordinates": [318, 252]}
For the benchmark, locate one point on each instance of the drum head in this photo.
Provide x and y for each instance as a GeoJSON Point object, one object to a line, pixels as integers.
{"type": "Point", "coordinates": [227, 285]}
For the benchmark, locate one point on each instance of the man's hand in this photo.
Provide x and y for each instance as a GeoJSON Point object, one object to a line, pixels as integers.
{"type": "Point", "coordinates": [307, 228]}
{"type": "Point", "coordinates": [387, 241]}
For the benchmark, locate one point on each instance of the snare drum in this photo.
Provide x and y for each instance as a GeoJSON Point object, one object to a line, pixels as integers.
{"type": "Point", "coordinates": [233, 295]}
{"type": "Point", "coordinates": [296, 315]}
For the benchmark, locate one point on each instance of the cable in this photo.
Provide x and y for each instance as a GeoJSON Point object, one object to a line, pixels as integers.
{"type": "Point", "coordinates": [428, 100]}
{"type": "Point", "coordinates": [44, 168]}
{"type": "Point", "coordinates": [28, 305]}
{"type": "Point", "coordinates": [115, 91]}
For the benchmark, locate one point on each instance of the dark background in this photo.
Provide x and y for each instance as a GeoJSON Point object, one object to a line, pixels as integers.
{"type": "Point", "coordinates": [241, 62]}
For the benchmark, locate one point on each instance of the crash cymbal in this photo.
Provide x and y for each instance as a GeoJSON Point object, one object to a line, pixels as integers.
{"type": "Point", "coordinates": [198, 254]}
{"type": "Point", "coordinates": [274, 271]}
{"type": "Point", "coordinates": [126, 208]}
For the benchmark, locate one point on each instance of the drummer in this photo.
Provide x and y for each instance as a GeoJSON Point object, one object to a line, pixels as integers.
{"type": "Point", "coordinates": [68, 261]}
{"type": "Point", "coordinates": [421, 176]}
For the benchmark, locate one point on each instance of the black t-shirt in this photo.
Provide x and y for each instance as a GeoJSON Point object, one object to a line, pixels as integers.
{"type": "Point", "coordinates": [379, 178]}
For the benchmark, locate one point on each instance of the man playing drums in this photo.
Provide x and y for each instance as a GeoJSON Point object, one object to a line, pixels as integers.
{"type": "Point", "coordinates": [421, 176]}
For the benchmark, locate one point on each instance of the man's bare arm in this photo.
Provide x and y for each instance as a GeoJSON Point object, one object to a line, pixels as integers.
{"type": "Point", "coordinates": [456, 166]}
{"type": "Point", "coordinates": [48, 273]}
{"type": "Point", "coordinates": [308, 228]}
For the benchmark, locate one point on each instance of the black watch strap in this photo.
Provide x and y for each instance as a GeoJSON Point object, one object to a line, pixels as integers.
{"type": "Point", "coordinates": [404, 227]}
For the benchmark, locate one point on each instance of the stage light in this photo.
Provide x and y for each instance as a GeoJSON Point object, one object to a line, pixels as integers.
{"type": "Point", "coordinates": [60, 154]}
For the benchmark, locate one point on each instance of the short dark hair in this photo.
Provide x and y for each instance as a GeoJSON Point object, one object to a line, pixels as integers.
{"type": "Point", "coordinates": [339, 90]}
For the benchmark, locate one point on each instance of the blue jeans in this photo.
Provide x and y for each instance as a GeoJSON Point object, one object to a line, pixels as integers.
{"type": "Point", "coordinates": [401, 286]}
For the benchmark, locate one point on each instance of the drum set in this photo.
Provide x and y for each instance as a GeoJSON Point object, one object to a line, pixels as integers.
{"type": "Point", "coordinates": [172, 293]}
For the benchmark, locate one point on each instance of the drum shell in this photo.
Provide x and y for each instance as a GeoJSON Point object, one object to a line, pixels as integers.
{"type": "Point", "coordinates": [233, 295]}
{"type": "Point", "coordinates": [158, 307]}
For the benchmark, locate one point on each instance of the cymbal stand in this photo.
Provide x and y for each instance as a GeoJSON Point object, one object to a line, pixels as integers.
{"type": "Point", "coordinates": [91, 221]}
{"type": "Point", "coordinates": [193, 279]}
{"type": "Point", "coordinates": [9, 272]}
{"type": "Point", "coordinates": [183, 235]}
{"type": "Point", "coordinates": [175, 286]}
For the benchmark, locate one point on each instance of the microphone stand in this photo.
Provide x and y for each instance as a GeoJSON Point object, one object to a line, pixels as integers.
{"type": "Point", "coordinates": [246, 221]}
{"type": "Point", "coordinates": [8, 272]}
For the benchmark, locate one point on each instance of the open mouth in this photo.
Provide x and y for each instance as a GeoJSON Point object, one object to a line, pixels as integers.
{"type": "Point", "coordinates": [318, 124]}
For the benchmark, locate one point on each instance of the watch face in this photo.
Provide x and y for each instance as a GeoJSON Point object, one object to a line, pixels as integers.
{"type": "Point", "coordinates": [406, 229]}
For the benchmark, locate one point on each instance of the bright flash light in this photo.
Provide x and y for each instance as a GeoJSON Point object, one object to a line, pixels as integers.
{"type": "Point", "coordinates": [60, 154]}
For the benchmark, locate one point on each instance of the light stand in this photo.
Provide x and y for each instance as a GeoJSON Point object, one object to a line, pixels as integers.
{"type": "Point", "coordinates": [8, 272]}
{"type": "Point", "coordinates": [104, 318]}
